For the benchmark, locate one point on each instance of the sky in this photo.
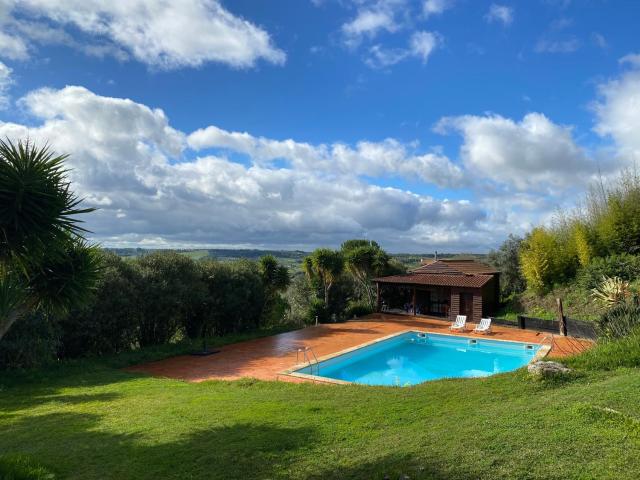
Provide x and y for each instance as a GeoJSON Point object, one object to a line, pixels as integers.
{"type": "Point", "coordinates": [425, 125]}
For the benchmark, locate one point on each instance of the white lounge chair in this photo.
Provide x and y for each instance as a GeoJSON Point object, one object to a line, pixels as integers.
{"type": "Point", "coordinates": [484, 326]}
{"type": "Point", "coordinates": [460, 324]}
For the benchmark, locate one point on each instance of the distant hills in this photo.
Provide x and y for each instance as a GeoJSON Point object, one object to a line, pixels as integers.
{"type": "Point", "coordinates": [290, 258]}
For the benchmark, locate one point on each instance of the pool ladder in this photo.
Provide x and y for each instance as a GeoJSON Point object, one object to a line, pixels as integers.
{"type": "Point", "coordinates": [308, 357]}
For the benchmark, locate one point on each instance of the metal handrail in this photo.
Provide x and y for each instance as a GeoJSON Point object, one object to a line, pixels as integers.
{"type": "Point", "coordinates": [306, 358]}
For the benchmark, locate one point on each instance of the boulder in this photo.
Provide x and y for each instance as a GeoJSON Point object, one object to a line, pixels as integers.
{"type": "Point", "coordinates": [546, 369]}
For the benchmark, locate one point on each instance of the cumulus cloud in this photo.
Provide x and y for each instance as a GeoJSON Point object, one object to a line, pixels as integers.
{"type": "Point", "coordinates": [166, 34]}
{"type": "Point", "coordinates": [156, 185]}
{"type": "Point", "coordinates": [618, 111]}
{"type": "Point", "coordinates": [372, 159]}
{"type": "Point", "coordinates": [500, 13]}
{"type": "Point", "coordinates": [534, 153]}
{"type": "Point", "coordinates": [5, 83]}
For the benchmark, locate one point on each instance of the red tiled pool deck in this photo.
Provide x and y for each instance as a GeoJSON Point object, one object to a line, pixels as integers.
{"type": "Point", "coordinates": [266, 358]}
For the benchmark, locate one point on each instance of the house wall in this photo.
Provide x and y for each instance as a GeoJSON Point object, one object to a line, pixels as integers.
{"type": "Point", "coordinates": [491, 297]}
{"type": "Point", "coordinates": [477, 303]}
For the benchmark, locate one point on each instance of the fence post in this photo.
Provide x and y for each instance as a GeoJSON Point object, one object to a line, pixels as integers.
{"type": "Point", "coordinates": [561, 318]}
{"type": "Point", "coordinates": [520, 321]}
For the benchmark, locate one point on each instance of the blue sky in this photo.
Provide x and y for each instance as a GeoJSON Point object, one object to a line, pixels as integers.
{"type": "Point", "coordinates": [424, 124]}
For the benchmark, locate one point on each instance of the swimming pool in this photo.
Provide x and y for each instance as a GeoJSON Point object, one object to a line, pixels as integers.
{"type": "Point", "coordinates": [413, 357]}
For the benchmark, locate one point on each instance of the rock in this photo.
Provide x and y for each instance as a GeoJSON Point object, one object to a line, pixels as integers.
{"type": "Point", "coordinates": [546, 369]}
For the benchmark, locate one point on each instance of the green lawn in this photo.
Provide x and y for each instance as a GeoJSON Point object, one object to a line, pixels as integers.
{"type": "Point", "coordinates": [90, 421]}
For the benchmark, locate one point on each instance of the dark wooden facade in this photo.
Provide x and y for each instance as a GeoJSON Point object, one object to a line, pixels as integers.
{"type": "Point", "coordinates": [444, 288]}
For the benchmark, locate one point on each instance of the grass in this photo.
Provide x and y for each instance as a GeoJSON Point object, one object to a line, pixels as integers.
{"type": "Point", "coordinates": [91, 421]}
{"type": "Point", "coordinates": [577, 304]}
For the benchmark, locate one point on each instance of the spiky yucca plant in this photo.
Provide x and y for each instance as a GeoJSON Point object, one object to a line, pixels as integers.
{"type": "Point", "coordinates": [44, 260]}
{"type": "Point", "coordinates": [611, 291]}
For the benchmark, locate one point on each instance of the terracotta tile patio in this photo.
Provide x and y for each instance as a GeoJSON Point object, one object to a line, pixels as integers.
{"type": "Point", "coordinates": [265, 358]}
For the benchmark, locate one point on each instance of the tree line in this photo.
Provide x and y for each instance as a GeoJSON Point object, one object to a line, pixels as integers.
{"type": "Point", "coordinates": [61, 297]}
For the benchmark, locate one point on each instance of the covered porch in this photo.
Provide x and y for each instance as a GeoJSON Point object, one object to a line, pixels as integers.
{"type": "Point", "coordinates": [431, 301]}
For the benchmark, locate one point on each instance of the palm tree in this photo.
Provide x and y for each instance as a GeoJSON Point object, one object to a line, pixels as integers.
{"type": "Point", "coordinates": [44, 260]}
{"type": "Point", "coordinates": [365, 259]}
{"type": "Point", "coordinates": [327, 265]}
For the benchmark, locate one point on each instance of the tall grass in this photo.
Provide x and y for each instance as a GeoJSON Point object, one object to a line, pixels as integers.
{"type": "Point", "coordinates": [610, 354]}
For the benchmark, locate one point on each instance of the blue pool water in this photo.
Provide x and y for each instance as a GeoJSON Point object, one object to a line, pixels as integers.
{"type": "Point", "coordinates": [412, 357]}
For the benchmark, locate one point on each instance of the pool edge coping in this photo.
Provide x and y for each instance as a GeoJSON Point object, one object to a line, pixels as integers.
{"type": "Point", "coordinates": [292, 371]}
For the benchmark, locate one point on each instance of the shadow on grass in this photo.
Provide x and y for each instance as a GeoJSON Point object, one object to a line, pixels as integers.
{"type": "Point", "coordinates": [392, 467]}
{"type": "Point", "coordinates": [26, 402]}
{"type": "Point", "coordinates": [76, 445]}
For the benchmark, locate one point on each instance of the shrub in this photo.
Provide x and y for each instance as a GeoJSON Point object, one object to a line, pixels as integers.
{"type": "Point", "coordinates": [317, 310]}
{"type": "Point", "coordinates": [110, 323]}
{"type": "Point", "coordinates": [506, 259]}
{"type": "Point", "coordinates": [170, 289]}
{"type": "Point", "coordinates": [618, 226]}
{"type": "Point", "coordinates": [621, 319]}
{"type": "Point", "coordinates": [358, 309]}
{"type": "Point", "coordinates": [611, 291]}
{"type": "Point", "coordinates": [624, 266]}
{"type": "Point", "coordinates": [234, 297]}
{"type": "Point", "coordinates": [546, 260]}
{"type": "Point", "coordinates": [298, 297]}
{"type": "Point", "coordinates": [32, 342]}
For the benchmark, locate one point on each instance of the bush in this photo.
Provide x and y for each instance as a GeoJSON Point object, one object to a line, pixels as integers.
{"type": "Point", "coordinates": [358, 309]}
{"type": "Point", "coordinates": [546, 259]}
{"type": "Point", "coordinates": [170, 289]}
{"type": "Point", "coordinates": [234, 298]}
{"type": "Point", "coordinates": [317, 310]}
{"type": "Point", "coordinates": [624, 266]}
{"type": "Point", "coordinates": [22, 467]}
{"type": "Point", "coordinates": [620, 320]}
{"type": "Point", "coordinates": [110, 323]}
{"type": "Point", "coordinates": [506, 259]}
{"type": "Point", "coordinates": [32, 342]}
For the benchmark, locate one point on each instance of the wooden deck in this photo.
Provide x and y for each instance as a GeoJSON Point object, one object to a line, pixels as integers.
{"type": "Point", "coordinates": [266, 358]}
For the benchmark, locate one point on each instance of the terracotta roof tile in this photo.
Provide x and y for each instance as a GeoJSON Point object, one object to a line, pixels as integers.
{"type": "Point", "coordinates": [457, 267]}
{"type": "Point", "coordinates": [437, 279]}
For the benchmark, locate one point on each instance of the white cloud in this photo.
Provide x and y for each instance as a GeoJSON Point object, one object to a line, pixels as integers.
{"type": "Point", "coordinates": [164, 34]}
{"type": "Point", "coordinates": [13, 47]}
{"type": "Point", "coordinates": [436, 7]}
{"type": "Point", "coordinates": [5, 83]}
{"type": "Point", "coordinates": [534, 153]}
{"type": "Point", "coordinates": [632, 59]}
{"type": "Point", "coordinates": [372, 19]}
{"type": "Point", "coordinates": [381, 57]}
{"type": "Point", "coordinates": [618, 111]}
{"type": "Point", "coordinates": [372, 159]}
{"type": "Point", "coordinates": [500, 13]}
{"type": "Point", "coordinates": [421, 45]}
{"type": "Point", "coordinates": [127, 160]}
